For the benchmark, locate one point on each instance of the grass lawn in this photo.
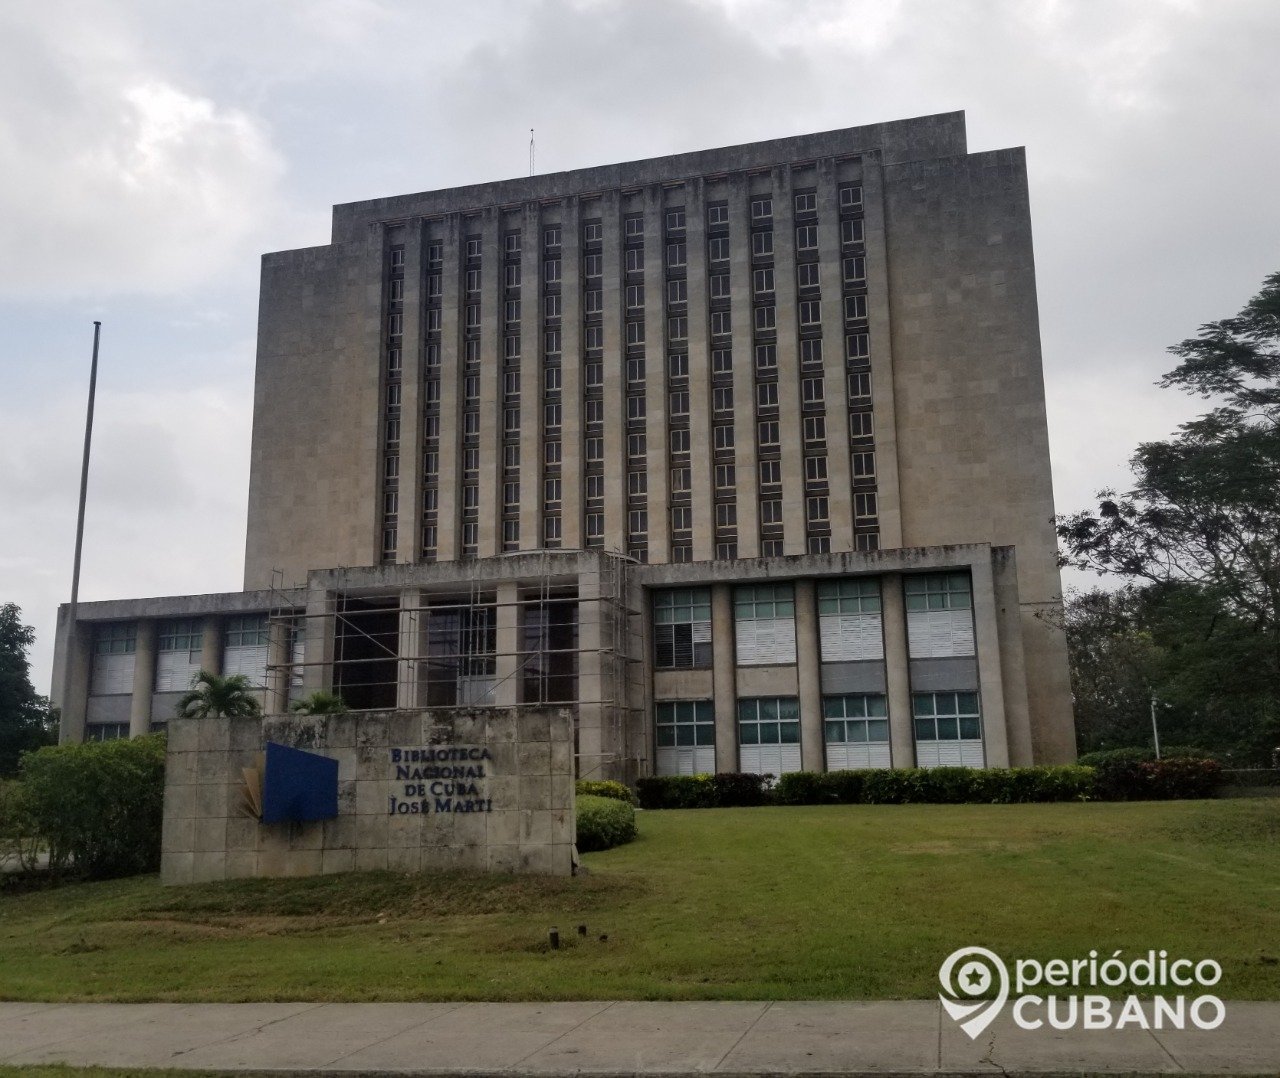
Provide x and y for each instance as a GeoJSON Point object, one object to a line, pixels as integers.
{"type": "Point", "coordinates": [832, 902]}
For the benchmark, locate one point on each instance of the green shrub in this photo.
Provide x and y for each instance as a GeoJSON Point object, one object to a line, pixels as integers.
{"type": "Point", "coordinates": [97, 807]}
{"type": "Point", "coordinates": [19, 843]}
{"type": "Point", "coordinates": [803, 788]}
{"type": "Point", "coordinates": [843, 787]}
{"type": "Point", "coordinates": [606, 788]}
{"type": "Point", "coordinates": [604, 822]}
{"type": "Point", "coordinates": [1104, 757]}
{"type": "Point", "coordinates": [735, 790]}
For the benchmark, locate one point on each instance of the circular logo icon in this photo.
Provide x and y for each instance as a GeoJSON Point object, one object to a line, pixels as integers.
{"type": "Point", "coordinates": [967, 977]}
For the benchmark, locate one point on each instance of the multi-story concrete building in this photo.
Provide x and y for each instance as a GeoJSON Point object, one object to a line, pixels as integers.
{"type": "Point", "coordinates": [743, 452]}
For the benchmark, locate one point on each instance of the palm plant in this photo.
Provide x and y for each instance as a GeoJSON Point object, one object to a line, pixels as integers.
{"type": "Point", "coordinates": [212, 696]}
{"type": "Point", "coordinates": [320, 702]}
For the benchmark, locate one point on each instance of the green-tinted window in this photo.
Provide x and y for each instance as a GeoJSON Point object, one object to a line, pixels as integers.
{"type": "Point", "coordinates": [938, 591]}
{"type": "Point", "coordinates": [684, 723]}
{"type": "Point", "coordinates": [115, 638]}
{"type": "Point", "coordinates": [769, 720]}
{"type": "Point", "coordinates": [183, 635]}
{"type": "Point", "coordinates": [946, 716]}
{"type": "Point", "coordinates": [764, 601]}
{"type": "Point", "coordinates": [681, 628]}
{"type": "Point", "coordinates": [859, 717]}
{"type": "Point", "coordinates": [852, 595]}
{"type": "Point", "coordinates": [247, 631]}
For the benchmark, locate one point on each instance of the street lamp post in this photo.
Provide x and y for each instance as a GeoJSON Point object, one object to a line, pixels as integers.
{"type": "Point", "coordinates": [1155, 727]}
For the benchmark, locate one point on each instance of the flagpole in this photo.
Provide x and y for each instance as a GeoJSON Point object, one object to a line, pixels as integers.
{"type": "Point", "coordinates": [69, 639]}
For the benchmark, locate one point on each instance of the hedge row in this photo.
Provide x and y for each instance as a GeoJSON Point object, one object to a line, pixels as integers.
{"type": "Point", "coordinates": [604, 822]}
{"type": "Point", "coordinates": [1119, 781]}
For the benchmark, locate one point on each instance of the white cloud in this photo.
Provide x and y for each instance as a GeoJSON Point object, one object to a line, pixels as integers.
{"type": "Point", "coordinates": [117, 179]}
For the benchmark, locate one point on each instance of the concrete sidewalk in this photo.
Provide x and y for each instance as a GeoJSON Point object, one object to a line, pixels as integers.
{"type": "Point", "coordinates": [440, 1039]}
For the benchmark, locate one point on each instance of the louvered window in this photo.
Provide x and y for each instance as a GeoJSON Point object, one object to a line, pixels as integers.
{"type": "Point", "coordinates": [765, 625]}
{"type": "Point", "coordinates": [849, 620]}
{"type": "Point", "coordinates": [939, 615]}
{"type": "Point", "coordinates": [681, 628]}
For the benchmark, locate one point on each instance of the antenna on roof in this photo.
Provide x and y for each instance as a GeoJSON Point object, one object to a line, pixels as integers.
{"type": "Point", "coordinates": [531, 151]}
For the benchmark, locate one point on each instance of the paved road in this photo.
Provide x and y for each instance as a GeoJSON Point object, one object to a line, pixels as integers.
{"type": "Point", "coordinates": [669, 1039]}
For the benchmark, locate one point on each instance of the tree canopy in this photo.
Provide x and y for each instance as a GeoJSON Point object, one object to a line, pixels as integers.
{"type": "Point", "coordinates": [1199, 532]}
{"type": "Point", "coordinates": [25, 720]}
{"type": "Point", "coordinates": [213, 696]}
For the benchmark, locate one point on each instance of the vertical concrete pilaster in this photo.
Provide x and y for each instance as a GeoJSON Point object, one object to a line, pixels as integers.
{"type": "Point", "coordinates": [595, 757]}
{"type": "Point", "coordinates": [73, 658]}
{"type": "Point", "coordinates": [615, 374]}
{"type": "Point", "coordinates": [658, 441]}
{"type": "Point", "coordinates": [744, 432]}
{"type": "Point", "coordinates": [409, 518]}
{"type": "Point", "coordinates": [995, 732]}
{"type": "Point", "coordinates": [724, 677]}
{"type": "Point", "coordinates": [507, 642]}
{"type": "Point", "coordinates": [704, 525]}
{"type": "Point", "coordinates": [835, 388]}
{"type": "Point", "coordinates": [319, 640]}
{"type": "Point", "coordinates": [409, 646]}
{"type": "Point", "coordinates": [276, 698]}
{"type": "Point", "coordinates": [448, 529]}
{"type": "Point", "coordinates": [144, 679]}
{"type": "Point", "coordinates": [902, 744]}
{"type": "Point", "coordinates": [571, 377]}
{"type": "Point", "coordinates": [531, 403]}
{"type": "Point", "coordinates": [813, 755]}
{"type": "Point", "coordinates": [488, 530]}
{"type": "Point", "coordinates": [211, 644]}
{"type": "Point", "coordinates": [794, 538]}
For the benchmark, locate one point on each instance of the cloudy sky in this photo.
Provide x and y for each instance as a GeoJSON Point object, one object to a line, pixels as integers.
{"type": "Point", "coordinates": [151, 151]}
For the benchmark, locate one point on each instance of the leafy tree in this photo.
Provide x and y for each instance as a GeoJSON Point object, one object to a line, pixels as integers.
{"type": "Point", "coordinates": [25, 719]}
{"type": "Point", "coordinates": [1199, 532]}
{"type": "Point", "coordinates": [320, 702]}
{"type": "Point", "coordinates": [212, 696]}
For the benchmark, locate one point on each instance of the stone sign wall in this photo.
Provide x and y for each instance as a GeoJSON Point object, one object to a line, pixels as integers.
{"type": "Point", "coordinates": [485, 789]}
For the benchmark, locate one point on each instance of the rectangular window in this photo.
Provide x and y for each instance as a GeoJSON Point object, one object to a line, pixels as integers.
{"type": "Point", "coordinates": [815, 429]}
{"type": "Point", "coordinates": [473, 247]}
{"type": "Point", "coordinates": [722, 399]}
{"type": "Point", "coordinates": [864, 507]}
{"type": "Point", "coordinates": [718, 249]}
{"type": "Point", "coordinates": [682, 628]}
{"type": "Point", "coordinates": [855, 308]}
{"type": "Point", "coordinates": [511, 310]}
{"type": "Point", "coordinates": [635, 407]}
{"type": "Point", "coordinates": [816, 509]}
{"type": "Point", "coordinates": [551, 493]}
{"type": "Point", "coordinates": [635, 259]}
{"type": "Point", "coordinates": [552, 450]}
{"type": "Point", "coordinates": [675, 220]}
{"type": "Point", "coordinates": [679, 404]}
{"type": "Point", "coordinates": [855, 270]}
{"type": "Point", "coordinates": [634, 227]}
{"type": "Point", "coordinates": [811, 391]}
{"type": "Point", "coordinates": [851, 197]}
{"type": "Point", "coordinates": [762, 281]}
{"type": "Point", "coordinates": [637, 523]}
{"type": "Point", "coordinates": [770, 473]}
{"type": "Point", "coordinates": [593, 338]}
{"type": "Point", "coordinates": [511, 494]}
{"type": "Point", "coordinates": [680, 478]}
{"type": "Point", "coordinates": [680, 441]}
{"type": "Point", "coordinates": [722, 437]}
{"type": "Point", "coordinates": [856, 730]}
{"type": "Point", "coordinates": [551, 238]}
{"type": "Point", "coordinates": [860, 387]}
{"type": "Point", "coordinates": [593, 266]}
{"type": "Point", "coordinates": [721, 361]}
{"type": "Point", "coordinates": [594, 410]}
{"type": "Point", "coordinates": [771, 511]}
{"type": "Point", "coordinates": [720, 286]}
{"type": "Point", "coordinates": [551, 306]}
{"type": "Point", "coordinates": [767, 433]}
{"type": "Point", "coordinates": [766, 319]}
{"type": "Point", "coordinates": [726, 515]}
{"type": "Point", "coordinates": [717, 214]}
{"type": "Point", "coordinates": [807, 275]}
{"type": "Point", "coordinates": [681, 520]}
{"type": "Point", "coordinates": [595, 526]}
{"type": "Point", "coordinates": [635, 297]}
{"type": "Point", "coordinates": [811, 351]}
{"type": "Point", "coordinates": [766, 396]}
{"type": "Point", "coordinates": [551, 530]}
{"type": "Point", "coordinates": [550, 379]}
{"type": "Point", "coordinates": [769, 735]}
{"type": "Point", "coordinates": [678, 366]}
{"type": "Point", "coordinates": [511, 275]}
{"type": "Point", "coordinates": [860, 425]}
{"type": "Point", "coordinates": [636, 444]}
{"type": "Point", "coordinates": [594, 488]}
{"type": "Point", "coordinates": [685, 736]}
{"type": "Point", "coordinates": [593, 449]}
{"type": "Point", "coordinates": [851, 233]}
{"type": "Point", "coordinates": [592, 232]}
{"type": "Point", "coordinates": [811, 312]}
{"type": "Point", "coordinates": [635, 333]}
{"type": "Point", "coordinates": [761, 209]}
{"type": "Point", "coordinates": [721, 324]}
{"type": "Point", "coordinates": [675, 255]}
{"type": "Point", "coordinates": [948, 729]}
{"type": "Point", "coordinates": [807, 202]}
{"type": "Point", "coordinates": [815, 470]}
{"type": "Point", "coordinates": [725, 477]}
{"type": "Point", "coordinates": [766, 357]}
{"type": "Point", "coordinates": [551, 416]}
{"type": "Point", "coordinates": [551, 271]}
{"type": "Point", "coordinates": [807, 238]}
{"type": "Point", "coordinates": [594, 375]}
{"type": "Point", "coordinates": [863, 465]}
{"type": "Point", "coordinates": [551, 341]}
{"type": "Point", "coordinates": [762, 244]}
{"type": "Point", "coordinates": [637, 484]}
{"type": "Point", "coordinates": [678, 328]}
{"type": "Point", "coordinates": [473, 280]}
{"type": "Point", "coordinates": [678, 291]}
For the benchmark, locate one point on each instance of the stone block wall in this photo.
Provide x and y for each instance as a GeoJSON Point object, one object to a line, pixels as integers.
{"type": "Point", "coordinates": [519, 815]}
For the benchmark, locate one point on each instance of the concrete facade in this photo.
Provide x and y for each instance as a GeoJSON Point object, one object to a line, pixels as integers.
{"type": "Point", "coordinates": [739, 444]}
